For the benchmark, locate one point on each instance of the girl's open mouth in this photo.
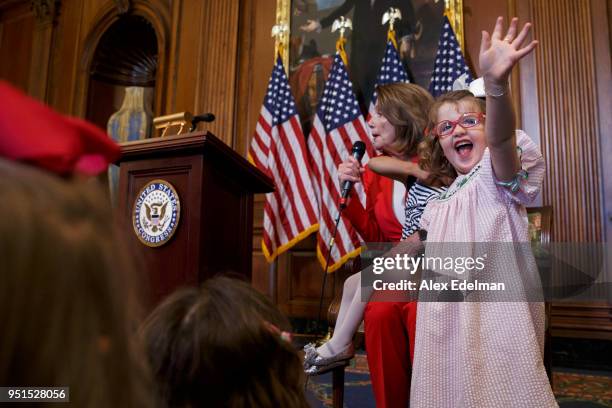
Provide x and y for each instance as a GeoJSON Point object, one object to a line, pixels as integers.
{"type": "Point", "coordinates": [464, 148]}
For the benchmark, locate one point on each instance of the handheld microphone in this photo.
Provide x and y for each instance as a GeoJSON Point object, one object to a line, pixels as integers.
{"type": "Point", "coordinates": [357, 152]}
{"type": "Point", "coordinates": [205, 117]}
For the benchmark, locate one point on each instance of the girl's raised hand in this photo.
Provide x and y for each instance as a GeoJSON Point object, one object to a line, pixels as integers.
{"type": "Point", "coordinates": [499, 54]}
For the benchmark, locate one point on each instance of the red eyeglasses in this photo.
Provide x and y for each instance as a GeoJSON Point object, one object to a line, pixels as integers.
{"type": "Point", "coordinates": [466, 121]}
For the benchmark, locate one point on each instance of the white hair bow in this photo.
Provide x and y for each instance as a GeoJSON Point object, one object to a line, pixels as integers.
{"type": "Point", "coordinates": [476, 87]}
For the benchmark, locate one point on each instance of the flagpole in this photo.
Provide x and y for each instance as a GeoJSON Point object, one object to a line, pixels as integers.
{"type": "Point", "coordinates": [272, 280]}
{"type": "Point", "coordinates": [278, 33]}
{"type": "Point", "coordinates": [341, 24]}
{"type": "Point", "coordinates": [389, 17]}
{"type": "Point", "coordinates": [331, 246]}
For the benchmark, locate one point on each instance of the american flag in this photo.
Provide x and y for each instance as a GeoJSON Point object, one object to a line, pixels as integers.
{"type": "Point", "coordinates": [278, 149]}
{"type": "Point", "coordinates": [337, 125]}
{"type": "Point", "coordinates": [449, 64]}
{"type": "Point", "coordinates": [391, 71]}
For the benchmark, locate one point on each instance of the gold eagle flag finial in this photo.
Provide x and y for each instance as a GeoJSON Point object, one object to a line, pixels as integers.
{"type": "Point", "coordinates": [279, 32]}
{"type": "Point", "coordinates": [390, 17]}
{"type": "Point", "coordinates": [342, 24]}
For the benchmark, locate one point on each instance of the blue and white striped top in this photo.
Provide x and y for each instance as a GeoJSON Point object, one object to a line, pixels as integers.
{"type": "Point", "coordinates": [416, 199]}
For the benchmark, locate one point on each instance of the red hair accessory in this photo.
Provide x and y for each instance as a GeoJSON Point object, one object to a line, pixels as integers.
{"type": "Point", "coordinates": [32, 132]}
{"type": "Point", "coordinates": [283, 335]}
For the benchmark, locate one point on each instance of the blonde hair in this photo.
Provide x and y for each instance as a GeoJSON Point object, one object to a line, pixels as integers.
{"type": "Point", "coordinates": [430, 151]}
{"type": "Point", "coordinates": [405, 106]}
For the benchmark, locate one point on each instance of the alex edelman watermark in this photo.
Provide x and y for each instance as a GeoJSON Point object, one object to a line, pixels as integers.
{"type": "Point", "coordinates": [431, 285]}
{"type": "Point", "coordinates": [486, 272]}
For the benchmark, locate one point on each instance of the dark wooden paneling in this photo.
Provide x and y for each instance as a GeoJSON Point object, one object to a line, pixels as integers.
{"type": "Point", "coordinates": [563, 92]}
{"type": "Point", "coordinates": [215, 186]}
{"type": "Point", "coordinates": [261, 278]}
{"type": "Point", "coordinates": [65, 57]}
{"type": "Point", "coordinates": [16, 39]}
{"type": "Point", "coordinates": [479, 15]}
{"type": "Point", "coordinates": [582, 320]}
{"type": "Point", "coordinates": [176, 263]}
{"type": "Point", "coordinates": [256, 56]}
{"type": "Point", "coordinates": [299, 281]}
{"type": "Point", "coordinates": [204, 61]}
{"type": "Point", "coordinates": [568, 117]}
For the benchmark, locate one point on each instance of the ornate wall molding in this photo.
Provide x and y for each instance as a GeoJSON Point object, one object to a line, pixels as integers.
{"type": "Point", "coordinates": [45, 11]}
{"type": "Point", "coordinates": [157, 13]}
{"type": "Point", "coordinates": [46, 14]}
{"type": "Point", "coordinates": [123, 6]}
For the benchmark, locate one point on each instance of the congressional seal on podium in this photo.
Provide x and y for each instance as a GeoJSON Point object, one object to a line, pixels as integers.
{"type": "Point", "coordinates": [156, 213]}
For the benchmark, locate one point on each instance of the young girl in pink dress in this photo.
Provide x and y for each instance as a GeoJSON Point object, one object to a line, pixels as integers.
{"type": "Point", "coordinates": [483, 354]}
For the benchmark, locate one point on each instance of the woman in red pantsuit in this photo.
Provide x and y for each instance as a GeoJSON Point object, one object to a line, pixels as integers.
{"type": "Point", "coordinates": [397, 127]}
{"type": "Point", "coordinates": [389, 326]}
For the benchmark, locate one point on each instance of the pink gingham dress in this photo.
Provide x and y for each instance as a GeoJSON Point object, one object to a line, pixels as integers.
{"type": "Point", "coordinates": [486, 354]}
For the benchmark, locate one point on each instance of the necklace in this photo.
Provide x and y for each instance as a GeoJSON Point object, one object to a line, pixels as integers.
{"type": "Point", "coordinates": [459, 183]}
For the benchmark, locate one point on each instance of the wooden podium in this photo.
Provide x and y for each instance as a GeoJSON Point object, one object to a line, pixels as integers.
{"type": "Point", "coordinates": [215, 186]}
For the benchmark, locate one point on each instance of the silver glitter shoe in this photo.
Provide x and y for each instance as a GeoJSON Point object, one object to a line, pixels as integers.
{"type": "Point", "coordinates": [310, 354]}
{"type": "Point", "coordinates": [314, 364]}
{"type": "Point", "coordinates": [345, 354]}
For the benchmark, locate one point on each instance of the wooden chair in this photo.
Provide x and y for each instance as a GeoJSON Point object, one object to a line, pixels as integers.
{"type": "Point", "coordinates": [540, 222]}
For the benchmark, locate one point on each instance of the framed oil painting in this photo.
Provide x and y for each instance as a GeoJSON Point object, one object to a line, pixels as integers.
{"type": "Point", "coordinates": [310, 44]}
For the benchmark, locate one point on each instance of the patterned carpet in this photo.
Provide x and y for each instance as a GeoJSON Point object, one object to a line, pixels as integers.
{"type": "Point", "coordinates": [573, 388]}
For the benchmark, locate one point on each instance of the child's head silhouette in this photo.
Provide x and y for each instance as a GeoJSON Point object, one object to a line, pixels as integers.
{"type": "Point", "coordinates": [68, 304]}
{"type": "Point", "coordinates": [224, 344]}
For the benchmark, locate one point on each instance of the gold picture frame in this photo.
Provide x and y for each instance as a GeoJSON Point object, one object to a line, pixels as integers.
{"type": "Point", "coordinates": [454, 11]}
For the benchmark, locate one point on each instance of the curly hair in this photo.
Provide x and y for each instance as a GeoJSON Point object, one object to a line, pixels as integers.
{"type": "Point", "coordinates": [430, 151]}
{"type": "Point", "coordinates": [406, 107]}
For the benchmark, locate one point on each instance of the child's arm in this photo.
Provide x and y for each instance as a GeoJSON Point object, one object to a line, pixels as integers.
{"type": "Point", "coordinates": [413, 238]}
{"type": "Point", "coordinates": [396, 169]}
{"type": "Point", "coordinates": [498, 55]}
